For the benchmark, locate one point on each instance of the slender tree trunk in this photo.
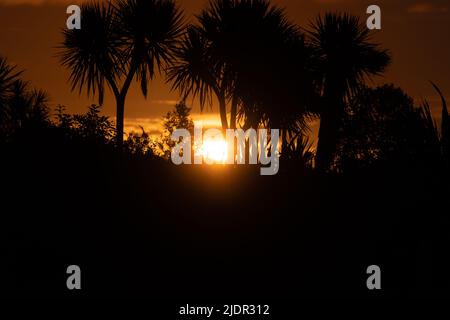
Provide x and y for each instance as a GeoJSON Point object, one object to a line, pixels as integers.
{"type": "Point", "coordinates": [121, 104]}
{"type": "Point", "coordinates": [234, 106]}
{"type": "Point", "coordinates": [120, 112]}
{"type": "Point", "coordinates": [330, 122]}
{"type": "Point", "coordinates": [223, 112]}
{"type": "Point", "coordinates": [322, 153]}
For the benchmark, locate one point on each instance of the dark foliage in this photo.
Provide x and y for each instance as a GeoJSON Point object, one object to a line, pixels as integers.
{"type": "Point", "coordinates": [121, 41]}
{"type": "Point", "coordinates": [382, 125]}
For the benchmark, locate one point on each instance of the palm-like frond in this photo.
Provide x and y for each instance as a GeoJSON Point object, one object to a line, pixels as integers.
{"type": "Point", "coordinates": [121, 41]}
{"type": "Point", "coordinates": [300, 149]}
{"type": "Point", "coordinates": [347, 54]}
{"type": "Point", "coordinates": [270, 64]}
{"type": "Point", "coordinates": [39, 110]}
{"type": "Point", "coordinates": [8, 76]}
{"type": "Point", "coordinates": [192, 69]}
{"type": "Point", "coordinates": [25, 107]}
{"type": "Point", "coordinates": [445, 125]}
{"type": "Point", "coordinates": [346, 58]}
{"type": "Point", "coordinates": [93, 53]}
{"type": "Point", "coordinates": [247, 53]}
{"type": "Point", "coordinates": [150, 29]}
{"type": "Point", "coordinates": [428, 123]}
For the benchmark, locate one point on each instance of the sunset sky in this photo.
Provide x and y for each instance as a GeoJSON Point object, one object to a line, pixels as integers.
{"type": "Point", "coordinates": [416, 32]}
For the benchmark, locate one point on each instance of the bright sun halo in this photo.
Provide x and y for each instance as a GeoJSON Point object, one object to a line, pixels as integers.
{"type": "Point", "coordinates": [215, 150]}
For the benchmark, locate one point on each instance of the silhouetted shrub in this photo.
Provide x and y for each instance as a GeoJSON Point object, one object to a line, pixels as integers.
{"type": "Point", "coordinates": [139, 144]}
{"type": "Point", "coordinates": [383, 125]}
{"type": "Point", "coordinates": [90, 126]}
{"type": "Point", "coordinates": [179, 118]}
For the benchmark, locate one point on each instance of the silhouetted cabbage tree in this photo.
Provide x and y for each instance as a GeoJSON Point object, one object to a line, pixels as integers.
{"type": "Point", "coordinates": [21, 107]}
{"type": "Point", "coordinates": [251, 58]}
{"type": "Point", "coordinates": [8, 76]}
{"type": "Point", "coordinates": [347, 57]}
{"type": "Point", "coordinates": [193, 72]}
{"type": "Point", "coordinates": [121, 41]}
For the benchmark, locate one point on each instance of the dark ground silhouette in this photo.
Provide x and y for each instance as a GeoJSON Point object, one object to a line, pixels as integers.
{"type": "Point", "coordinates": [145, 228]}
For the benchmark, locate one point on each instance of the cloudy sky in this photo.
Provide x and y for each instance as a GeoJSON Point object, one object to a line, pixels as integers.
{"type": "Point", "coordinates": [416, 32]}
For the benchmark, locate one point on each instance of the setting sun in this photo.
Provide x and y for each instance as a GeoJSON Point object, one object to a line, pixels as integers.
{"type": "Point", "coordinates": [215, 150]}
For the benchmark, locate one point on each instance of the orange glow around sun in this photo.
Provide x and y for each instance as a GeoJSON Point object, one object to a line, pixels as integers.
{"type": "Point", "coordinates": [215, 150]}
